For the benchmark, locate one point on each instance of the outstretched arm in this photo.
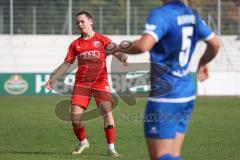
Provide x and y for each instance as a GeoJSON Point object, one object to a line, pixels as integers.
{"type": "Point", "coordinates": [61, 70]}
{"type": "Point", "coordinates": [211, 51]}
{"type": "Point", "coordinates": [144, 44]}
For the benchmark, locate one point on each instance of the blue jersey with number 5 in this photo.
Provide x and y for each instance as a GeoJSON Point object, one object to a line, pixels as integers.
{"type": "Point", "coordinates": [176, 29]}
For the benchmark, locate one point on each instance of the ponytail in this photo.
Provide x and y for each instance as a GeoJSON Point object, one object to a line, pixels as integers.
{"type": "Point", "coordinates": [192, 3]}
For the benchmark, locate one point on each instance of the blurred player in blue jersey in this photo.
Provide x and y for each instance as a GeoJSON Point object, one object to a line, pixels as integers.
{"type": "Point", "coordinates": [171, 34]}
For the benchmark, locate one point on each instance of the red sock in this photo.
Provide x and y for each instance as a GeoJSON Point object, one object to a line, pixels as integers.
{"type": "Point", "coordinates": [80, 133]}
{"type": "Point", "coordinates": [110, 135]}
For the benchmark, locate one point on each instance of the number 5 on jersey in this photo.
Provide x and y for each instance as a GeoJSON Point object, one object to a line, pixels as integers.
{"type": "Point", "coordinates": [187, 32]}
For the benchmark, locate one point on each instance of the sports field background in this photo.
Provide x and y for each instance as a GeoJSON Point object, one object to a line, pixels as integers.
{"type": "Point", "coordinates": [30, 130]}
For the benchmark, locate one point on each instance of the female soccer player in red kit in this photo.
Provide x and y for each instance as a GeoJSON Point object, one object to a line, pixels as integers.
{"type": "Point", "coordinates": [91, 79]}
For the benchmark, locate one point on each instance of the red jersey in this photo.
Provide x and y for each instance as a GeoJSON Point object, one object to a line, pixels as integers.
{"type": "Point", "coordinates": [91, 58]}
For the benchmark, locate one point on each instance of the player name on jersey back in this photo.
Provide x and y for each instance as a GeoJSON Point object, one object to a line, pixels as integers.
{"type": "Point", "coordinates": [186, 19]}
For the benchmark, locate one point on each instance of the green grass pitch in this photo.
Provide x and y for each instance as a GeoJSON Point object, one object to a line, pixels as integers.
{"type": "Point", "coordinates": [30, 130]}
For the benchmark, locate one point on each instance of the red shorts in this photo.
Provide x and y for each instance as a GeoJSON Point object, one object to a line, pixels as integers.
{"type": "Point", "coordinates": [82, 93]}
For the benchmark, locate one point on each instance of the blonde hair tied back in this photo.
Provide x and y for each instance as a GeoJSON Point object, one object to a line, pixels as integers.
{"type": "Point", "coordinates": [192, 3]}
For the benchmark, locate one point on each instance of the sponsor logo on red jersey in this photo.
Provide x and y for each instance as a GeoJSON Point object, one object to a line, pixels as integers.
{"type": "Point", "coordinates": [89, 54]}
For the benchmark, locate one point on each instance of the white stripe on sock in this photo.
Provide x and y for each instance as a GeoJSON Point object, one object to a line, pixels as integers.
{"type": "Point", "coordinates": [83, 141]}
{"type": "Point", "coordinates": [111, 146]}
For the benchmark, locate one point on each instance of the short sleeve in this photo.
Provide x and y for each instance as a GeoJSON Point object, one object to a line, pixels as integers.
{"type": "Point", "coordinates": [70, 57]}
{"type": "Point", "coordinates": [156, 24]}
{"type": "Point", "coordinates": [106, 40]}
{"type": "Point", "coordinates": [204, 32]}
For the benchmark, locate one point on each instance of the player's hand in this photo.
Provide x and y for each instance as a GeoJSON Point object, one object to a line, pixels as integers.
{"type": "Point", "coordinates": [202, 73]}
{"type": "Point", "coordinates": [49, 85]}
{"type": "Point", "coordinates": [122, 57]}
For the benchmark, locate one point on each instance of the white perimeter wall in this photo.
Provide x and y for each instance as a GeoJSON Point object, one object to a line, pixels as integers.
{"type": "Point", "coordinates": [23, 53]}
{"type": "Point", "coordinates": [43, 53]}
{"type": "Point", "coordinates": [220, 84]}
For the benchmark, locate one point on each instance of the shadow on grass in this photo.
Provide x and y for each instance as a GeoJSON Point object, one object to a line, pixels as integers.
{"type": "Point", "coordinates": [35, 152]}
{"type": "Point", "coordinates": [86, 154]}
